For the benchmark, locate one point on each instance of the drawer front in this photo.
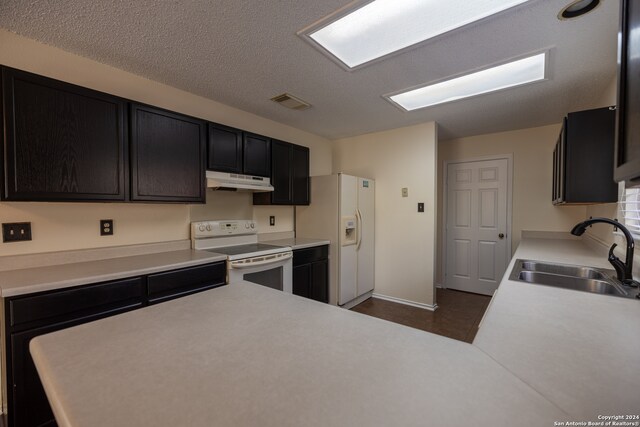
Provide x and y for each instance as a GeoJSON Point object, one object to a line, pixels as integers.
{"type": "Point", "coordinates": [172, 284]}
{"type": "Point", "coordinates": [75, 302]}
{"type": "Point", "coordinates": [305, 256]}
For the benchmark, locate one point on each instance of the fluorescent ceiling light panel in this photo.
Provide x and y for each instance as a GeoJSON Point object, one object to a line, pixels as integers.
{"type": "Point", "coordinates": [385, 26]}
{"type": "Point", "coordinates": [511, 74]}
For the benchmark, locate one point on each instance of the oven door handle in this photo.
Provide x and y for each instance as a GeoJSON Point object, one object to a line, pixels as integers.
{"type": "Point", "coordinates": [267, 259]}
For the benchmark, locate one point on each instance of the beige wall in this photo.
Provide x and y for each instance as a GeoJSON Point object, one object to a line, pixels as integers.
{"type": "Point", "coordinates": [404, 240]}
{"type": "Point", "coordinates": [59, 226]}
{"type": "Point", "coordinates": [532, 151]}
{"type": "Point", "coordinates": [284, 218]}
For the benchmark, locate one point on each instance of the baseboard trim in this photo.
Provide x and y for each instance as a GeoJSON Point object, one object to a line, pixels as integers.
{"type": "Point", "coordinates": [407, 302]}
{"type": "Point", "coordinates": [357, 300]}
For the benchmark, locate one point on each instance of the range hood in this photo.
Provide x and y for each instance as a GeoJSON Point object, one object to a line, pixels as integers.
{"type": "Point", "coordinates": [237, 182]}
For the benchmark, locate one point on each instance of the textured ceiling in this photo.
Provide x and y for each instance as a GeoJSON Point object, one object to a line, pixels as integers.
{"type": "Point", "coordinates": [242, 53]}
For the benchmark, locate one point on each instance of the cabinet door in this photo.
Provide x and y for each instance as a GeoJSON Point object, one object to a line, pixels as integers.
{"type": "Point", "coordinates": [256, 155]}
{"type": "Point", "coordinates": [300, 175]}
{"type": "Point", "coordinates": [62, 142]}
{"type": "Point", "coordinates": [561, 159]}
{"type": "Point", "coordinates": [289, 176]}
{"type": "Point", "coordinates": [302, 280]}
{"type": "Point", "coordinates": [30, 311]}
{"type": "Point", "coordinates": [281, 172]}
{"type": "Point", "coordinates": [28, 404]}
{"type": "Point", "coordinates": [589, 149]}
{"type": "Point", "coordinates": [33, 315]}
{"type": "Point", "coordinates": [627, 146]}
{"type": "Point", "coordinates": [167, 156]}
{"type": "Point", "coordinates": [225, 149]}
{"type": "Point", "coordinates": [178, 283]}
{"type": "Point", "coordinates": [320, 281]}
{"type": "Point", "coordinates": [554, 184]}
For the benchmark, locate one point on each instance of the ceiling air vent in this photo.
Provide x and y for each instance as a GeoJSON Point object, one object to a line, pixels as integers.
{"type": "Point", "coordinates": [290, 101]}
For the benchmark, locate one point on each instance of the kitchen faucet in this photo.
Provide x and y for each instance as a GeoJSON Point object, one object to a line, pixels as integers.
{"type": "Point", "coordinates": [623, 269]}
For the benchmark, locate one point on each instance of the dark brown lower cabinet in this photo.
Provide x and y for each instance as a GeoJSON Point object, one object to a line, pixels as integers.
{"type": "Point", "coordinates": [29, 316]}
{"type": "Point", "coordinates": [179, 283]}
{"type": "Point", "coordinates": [33, 315]}
{"type": "Point", "coordinates": [311, 273]}
{"type": "Point", "coordinates": [28, 402]}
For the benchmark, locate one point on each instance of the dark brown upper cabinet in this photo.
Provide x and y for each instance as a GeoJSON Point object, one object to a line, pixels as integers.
{"type": "Point", "coordinates": [225, 149]}
{"type": "Point", "coordinates": [583, 159]}
{"type": "Point", "coordinates": [62, 142]}
{"type": "Point", "coordinates": [167, 156]}
{"type": "Point", "coordinates": [627, 152]}
{"type": "Point", "coordinates": [300, 175]}
{"type": "Point", "coordinates": [289, 176]}
{"type": "Point", "coordinates": [235, 151]}
{"type": "Point", "coordinates": [256, 152]}
{"type": "Point", "coordinates": [281, 161]}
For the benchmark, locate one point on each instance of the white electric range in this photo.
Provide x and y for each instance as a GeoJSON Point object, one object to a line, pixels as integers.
{"type": "Point", "coordinates": [260, 263]}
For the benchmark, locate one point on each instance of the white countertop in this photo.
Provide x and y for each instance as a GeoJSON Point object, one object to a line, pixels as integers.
{"type": "Point", "coordinates": [579, 350]}
{"type": "Point", "coordinates": [298, 242]}
{"type": "Point", "coordinates": [38, 279]}
{"type": "Point", "coordinates": [246, 355]}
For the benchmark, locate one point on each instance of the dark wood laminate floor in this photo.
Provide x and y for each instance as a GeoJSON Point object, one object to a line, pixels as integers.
{"type": "Point", "coordinates": [458, 314]}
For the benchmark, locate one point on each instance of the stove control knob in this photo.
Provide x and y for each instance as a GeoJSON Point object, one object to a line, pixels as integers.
{"type": "Point", "coordinates": [253, 225]}
{"type": "Point", "coordinates": [201, 227]}
{"type": "Point", "coordinates": [208, 227]}
{"type": "Point", "coordinates": [246, 225]}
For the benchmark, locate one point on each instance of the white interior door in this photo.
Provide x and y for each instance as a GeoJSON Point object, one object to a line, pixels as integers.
{"type": "Point", "coordinates": [365, 246]}
{"type": "Point", "coordinates": [476, 225]}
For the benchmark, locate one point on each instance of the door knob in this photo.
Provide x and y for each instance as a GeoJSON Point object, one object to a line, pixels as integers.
{"type": "Point", "coordinates": [501, 235]}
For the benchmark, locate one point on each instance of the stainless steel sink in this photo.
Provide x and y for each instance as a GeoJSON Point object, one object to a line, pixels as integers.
{"type": "Point", "coordinates": [575, 277]}
{"type": "Point", "coordinates": [566, 270]}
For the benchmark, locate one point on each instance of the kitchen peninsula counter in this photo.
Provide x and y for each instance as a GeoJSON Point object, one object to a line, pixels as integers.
{"type": "Point", "coordinates": [578, 349]}
{"type": "Point", "coordinates": [245, 355]}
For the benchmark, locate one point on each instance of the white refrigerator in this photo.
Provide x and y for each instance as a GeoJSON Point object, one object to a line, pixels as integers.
{"type": "Point", "coordinates": [342, 211]}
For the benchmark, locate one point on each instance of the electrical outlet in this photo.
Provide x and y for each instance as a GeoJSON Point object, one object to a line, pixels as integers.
{"type": "Point", "coordinates": [106, 227]}
{"type": "Point", "coordinates": [405, 192]}
{"type": "Point", "coordinates": [272, 220]}
{"type": "Point", "coordinates": [420, 207]}
{"type": "Point", "coordinates": [16, 231]}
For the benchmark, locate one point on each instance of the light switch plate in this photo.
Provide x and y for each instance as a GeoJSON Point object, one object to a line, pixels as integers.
{"type": "Point", "coordinates": [405, 192]}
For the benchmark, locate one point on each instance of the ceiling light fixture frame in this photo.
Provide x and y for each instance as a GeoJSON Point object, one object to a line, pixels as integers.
{"type": "Point", "coordinates": [548, 75]}
{"type": "Point", "coordinates": [351, 7]}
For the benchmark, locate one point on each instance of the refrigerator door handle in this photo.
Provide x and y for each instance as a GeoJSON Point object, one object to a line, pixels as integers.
{"type": "Point", "coordinates": [359, 217]}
